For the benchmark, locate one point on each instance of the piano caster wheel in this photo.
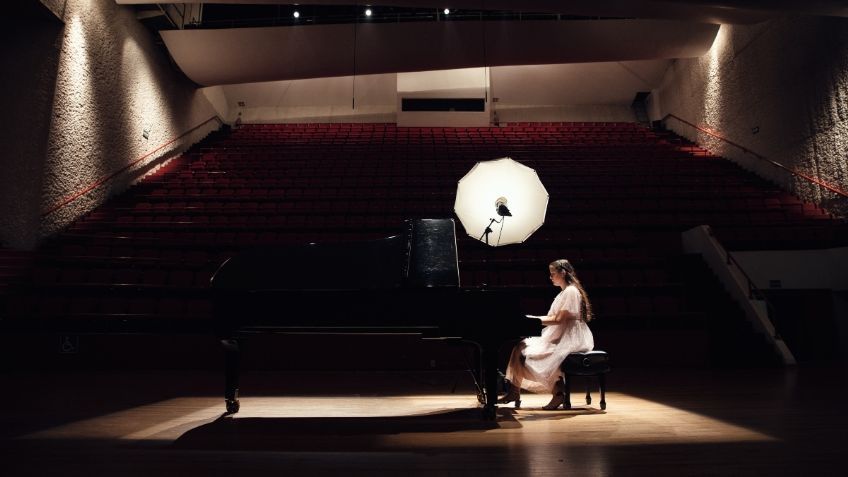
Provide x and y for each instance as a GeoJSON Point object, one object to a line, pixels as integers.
{"type": "Point", "coordinates": [489, 413]}
{"type": "Point", "coordinates": [603, 406]}
{"type": "Point", "coordinates": [518, 403]}
{"type": "Point", "coordinates": [232, 406]}
{"type": "Point", "coordinates": [588, 399]}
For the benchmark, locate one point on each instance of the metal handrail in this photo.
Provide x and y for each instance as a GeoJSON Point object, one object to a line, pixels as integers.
{"type": "Point", "coordinates": [744, 149]}
{"type": "Point", "coordinates": [753, 291]}
{"type": "Point", "coordinates": [111, 176]}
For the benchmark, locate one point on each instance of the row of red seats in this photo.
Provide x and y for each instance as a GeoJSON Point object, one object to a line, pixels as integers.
{"type": "Point", "coordinates": [638, 304]}
{"type": "Point", "coordinates": [258, 170]}
{"type": "Point", "coordinates": [385, 154]}
{"type": "Point", "coordinates": [124, 280]}
{"type": "Point", "coordinates": [518, 138]}
{"type": "Point", "coordinates": [414, 192]}
{"type": "Point", "coordinates": [81, 306]}
{"type": "Point", "coordinates": [588, 277]}
{"type": "Point", "coordinates": [134, 250]}
{"type": "Point", "coordinates": [364, 188]}
{"type": "Point", "coordinates": [599, 125]}
{"type": "Point", "coordinates": [734, 236]}
{"type": "Point", "coordinates": [446, 132]}
{"type": "Point", "coordinates": [316, 220]}
{"type": "Point", "coordinates": [370, 142]}
{"type": "Point", "coordinates": [250, 176]}
{"type": "Point", "coordinates": [172, 307]}
{"type": "Point", "coordinates": [615, 204]}
{"type": "Point", "coordinates": [71, 275]}
{"type": "Point", "coordinates": [747, 237]}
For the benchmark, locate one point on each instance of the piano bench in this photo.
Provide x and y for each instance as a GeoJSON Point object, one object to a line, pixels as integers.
{"type": "Point", "coordinates": [589, 364]}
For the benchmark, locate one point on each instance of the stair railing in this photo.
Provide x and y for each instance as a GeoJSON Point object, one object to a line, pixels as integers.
{"type": "Point", "coordinates": [794, 172]}
{"type": "Point", "coordinates": [757, 309]}
{"type": "Point", "coordinates": [109, 177]}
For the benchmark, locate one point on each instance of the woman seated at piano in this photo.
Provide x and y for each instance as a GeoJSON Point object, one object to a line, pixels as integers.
{"type": "Point", "coordinates": [535, 361]}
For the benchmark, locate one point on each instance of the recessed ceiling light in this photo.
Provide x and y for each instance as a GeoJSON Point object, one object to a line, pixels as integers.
{"type": "Point", "coordinates": [367, 12]}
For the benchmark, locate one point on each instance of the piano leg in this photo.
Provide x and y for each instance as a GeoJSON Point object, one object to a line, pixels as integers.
{"type": "Point", "coordinates": [231, 382]}
{"type": "Point", "coordinates": [489, 359]}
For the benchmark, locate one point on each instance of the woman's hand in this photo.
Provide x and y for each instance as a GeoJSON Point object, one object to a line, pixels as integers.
{"type": "Point", "coordinates": [549, 320]}
{"type": "Point", "coordinates": [560, 316]}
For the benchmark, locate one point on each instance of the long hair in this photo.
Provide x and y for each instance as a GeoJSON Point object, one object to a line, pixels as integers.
{"type": "Point", "coordinates": [567, 270]}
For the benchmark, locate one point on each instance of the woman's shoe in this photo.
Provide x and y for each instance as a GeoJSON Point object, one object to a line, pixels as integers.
{"type": "Point", "coordinates": [556, 401]}
{"type": "Point", "coordinates": [512, 395]}
{"type": "Point", "coordinates": [558, 396]}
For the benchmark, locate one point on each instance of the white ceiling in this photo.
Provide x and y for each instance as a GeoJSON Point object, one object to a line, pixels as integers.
{"type": "Point", "coordinates": [532, 62]}
{"type": "Point", "coordinates": [244, 55]}
{"type": "Point", "coordinates": [710, 11]}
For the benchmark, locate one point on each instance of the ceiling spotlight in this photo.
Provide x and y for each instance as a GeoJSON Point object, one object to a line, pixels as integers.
{"type": "Point", "coordinates": [296, 14]}
{"type": "Point", "coordinates": [447, 11]}
{"type": "Point", "coordinates": [367, 12]}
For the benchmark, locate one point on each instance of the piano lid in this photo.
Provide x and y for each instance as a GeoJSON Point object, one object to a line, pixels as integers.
{"type": "Point", "coordinates": [424, 255]}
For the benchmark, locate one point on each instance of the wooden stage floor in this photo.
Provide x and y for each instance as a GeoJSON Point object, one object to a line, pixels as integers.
{"type": "Point", "coordinates": [658, 422]}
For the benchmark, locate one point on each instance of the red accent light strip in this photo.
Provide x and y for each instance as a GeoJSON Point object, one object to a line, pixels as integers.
{"type": "Point", "coordinates": [105, 179]}
{"type": "Point", "coordinates": [814, 180]}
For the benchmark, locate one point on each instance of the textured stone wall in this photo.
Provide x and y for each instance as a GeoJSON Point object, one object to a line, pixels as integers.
{"type": "Point", "coordinates": [778, 88]}
{"type": "Point", "coordinates": [100, 84]}
{"type": "Point", "coordinates": [27, 83]}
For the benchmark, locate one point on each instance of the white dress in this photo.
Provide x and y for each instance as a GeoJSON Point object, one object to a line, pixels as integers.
{"type": "Point", "coordinates": [545, 353]}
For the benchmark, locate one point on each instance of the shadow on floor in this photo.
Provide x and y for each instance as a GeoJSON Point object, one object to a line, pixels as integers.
{"type": "Point", "coordinates": [340, 433]}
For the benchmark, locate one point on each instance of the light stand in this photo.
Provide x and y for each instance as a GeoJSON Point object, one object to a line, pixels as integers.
{"type": "Point", "coordinates": [503, 211]}
{"type": "Point", "coordinates": [489, 230]}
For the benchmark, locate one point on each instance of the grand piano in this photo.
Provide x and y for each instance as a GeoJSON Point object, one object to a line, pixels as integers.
{"type": "Point", "coordinates": [406, 283]}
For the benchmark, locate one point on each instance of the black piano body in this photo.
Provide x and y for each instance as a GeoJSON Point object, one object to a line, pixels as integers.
{"type": "Point", "coordinates": [405, 283]}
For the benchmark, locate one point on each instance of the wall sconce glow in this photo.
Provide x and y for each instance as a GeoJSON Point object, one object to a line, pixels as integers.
{"type": "Point", "coordinates": [367, 12]}
{"type": "Point", "coordinates": [446, 11]}
{"type": "Point", "coordinates": [296, 14]}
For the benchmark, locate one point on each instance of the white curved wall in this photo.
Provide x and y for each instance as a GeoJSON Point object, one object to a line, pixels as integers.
{"type": "Point", "coordinates": [109, 84]}
{"type": "Point", "coordinates": [565, 92]}
{"type": "Point", "coordinates": [786, 79]}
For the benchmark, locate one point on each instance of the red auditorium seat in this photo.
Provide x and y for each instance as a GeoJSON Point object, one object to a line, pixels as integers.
{"type": "Point", "coordinates": [632, 276]}
{"type": "Point", "coordinates": [126, 276]}
{"type": "Point", "coordinates": [83, 305]}
{"type": "Point", "coordinates": [113, 306]}
{"type": "Point", "coordinates": [611, 306]}
{"type": "Point", "coordinates": [100, 276]}
{"type": "Point", "coordinates": [154, 277]}
{"type": "Point", "coordinates": [56, 306]}
{"type": "Point", "coordinates": [667, 305]}
{"type": "Point", "coordinates": [606, 277]}
{"type": "Point", "coordinates": [171, 307]}
{"type": "Point", "coordinates": [181, 278]}
{"type": "Point", "coordinates": [640, 304]}
{"type": "Point", "coordinates": [46, 275]}
{"type": "Point", "coordinates": [198, 308]}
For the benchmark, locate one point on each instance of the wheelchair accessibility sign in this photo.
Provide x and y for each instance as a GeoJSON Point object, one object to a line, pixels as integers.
{"type": "Point", "coordinates": [68, 344]}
